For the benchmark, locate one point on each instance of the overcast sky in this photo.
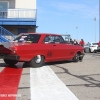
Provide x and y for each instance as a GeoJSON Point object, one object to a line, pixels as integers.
{"type": "Point", "coordinates": [74, 17]}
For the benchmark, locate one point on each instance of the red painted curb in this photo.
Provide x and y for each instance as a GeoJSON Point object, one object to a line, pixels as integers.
{"type": "Point", "coordinates": [9, 81]}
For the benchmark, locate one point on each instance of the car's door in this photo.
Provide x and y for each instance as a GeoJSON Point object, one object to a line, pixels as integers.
{"type": "Point", "coordinates": [47, 48]}
{"type": "Point", "coordinates": [55, 48]}
{"type": "Point", "coordinates": [60, 48]}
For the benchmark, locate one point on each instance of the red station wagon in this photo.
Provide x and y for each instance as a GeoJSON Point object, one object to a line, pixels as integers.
{"type": "Point", "coordinates": [36, 48]}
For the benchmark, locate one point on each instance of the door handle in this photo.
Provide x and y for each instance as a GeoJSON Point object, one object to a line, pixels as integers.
{"type": "Point", "coordinates": [54, 45]}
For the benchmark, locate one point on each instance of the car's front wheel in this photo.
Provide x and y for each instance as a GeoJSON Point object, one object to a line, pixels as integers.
{"type": "Point", "coordinates": [10, 62]}
{"type": "Point", "coordinates": [76, 57]}
{"type": "Point", "coordinates": [37, 61]}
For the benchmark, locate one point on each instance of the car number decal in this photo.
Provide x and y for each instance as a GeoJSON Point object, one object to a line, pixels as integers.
{"type": "Point", "coordinates": [49, 54]}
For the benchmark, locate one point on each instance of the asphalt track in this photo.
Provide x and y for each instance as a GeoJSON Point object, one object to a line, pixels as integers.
{"type": "Point", "coordinates": [82, 78]}
{"type": "Point", "coordinates": [44, 84]}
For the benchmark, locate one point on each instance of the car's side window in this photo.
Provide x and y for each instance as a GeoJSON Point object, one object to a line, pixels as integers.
{"type": "Point", "coordinates": [49, 39]}
{"type": "Point", "coordinates": [53, 39]}
{"type": "Point", "coordinates": [59, 39]}
{"type": "Point", "coordinates": [46, 39]}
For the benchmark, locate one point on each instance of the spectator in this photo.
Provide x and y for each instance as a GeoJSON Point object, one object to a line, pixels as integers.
{"type": "Point", "coordinates": [81, 43]}
{"type": "Point", "coordinates": [71, 41]}
{"type": "Point", "coordinates": [75, 42]}
{"type": "Point", "coordinates": [99, 43]}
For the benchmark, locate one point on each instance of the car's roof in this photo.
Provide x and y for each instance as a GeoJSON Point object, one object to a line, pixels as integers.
{"type": "Point", "coordinates": [91, 43]}
{"type": "Point", "coordinates": [94, 43]}
{"type": "Point", "coordinates": [41, 33]}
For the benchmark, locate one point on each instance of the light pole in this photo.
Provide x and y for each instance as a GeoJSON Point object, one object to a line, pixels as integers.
{"type": "Point", "coordinates": [77, 31]}
{"type": "Point", "coordinates": [99, 21]}
{"type": "Point", "coordinates": [95, 28]}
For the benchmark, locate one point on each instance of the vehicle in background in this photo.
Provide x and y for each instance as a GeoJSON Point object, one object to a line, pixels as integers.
{"type": "Point", "coordinates": [90, 47]}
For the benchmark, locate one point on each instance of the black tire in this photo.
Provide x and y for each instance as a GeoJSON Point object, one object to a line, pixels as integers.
{"type": "Point", "coordinates": [10, 62]}
{"type": "Point", "coordinates": [35, 63]}
{"type": "Point", "coordinates": [76, 57]}
{"type": "Point", "coordinates": [89, 50]}
{"type": "Point", "coordinates": [26, 64]}
{"type": "Point", "coordinates": [95, 51]}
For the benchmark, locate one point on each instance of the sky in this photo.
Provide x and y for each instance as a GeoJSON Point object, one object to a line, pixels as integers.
{"type": "Point", "coordinates": [79, 18]}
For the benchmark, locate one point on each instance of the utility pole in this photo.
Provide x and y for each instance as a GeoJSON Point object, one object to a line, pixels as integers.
{"type": "Point", "coordinates": [77, 31]}
{"type": "Point", "coordinates": [95, 28]}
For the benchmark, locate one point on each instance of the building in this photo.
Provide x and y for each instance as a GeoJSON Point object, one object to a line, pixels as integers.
{"type": "Point", "coordinates": [17, 16]}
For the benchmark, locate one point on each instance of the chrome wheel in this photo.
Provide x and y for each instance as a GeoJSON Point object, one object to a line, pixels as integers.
{"type": "Point", "coordinates": [38, 59]}
{"type": "Point", "coordinates": [76, 58]}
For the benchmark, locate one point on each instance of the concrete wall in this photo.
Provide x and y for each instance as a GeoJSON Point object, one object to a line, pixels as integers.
{"type": "Point", "coordinates": [30, 4]}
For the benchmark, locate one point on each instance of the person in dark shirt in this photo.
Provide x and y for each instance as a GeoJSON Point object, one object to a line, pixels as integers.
{"type": "Point", "coordinates": [75, 42]}
{"type": "Point", "coordinates": [71, 41]}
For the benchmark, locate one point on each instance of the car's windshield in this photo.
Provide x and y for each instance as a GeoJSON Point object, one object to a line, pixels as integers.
{"type": "Point", "coordinates": [32, 38]}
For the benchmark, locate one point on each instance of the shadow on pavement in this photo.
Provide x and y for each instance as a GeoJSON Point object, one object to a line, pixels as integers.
{"type": "Point", "coordinates": [58, 62]}
{"type": "Point", "coordinates": [88, 78]}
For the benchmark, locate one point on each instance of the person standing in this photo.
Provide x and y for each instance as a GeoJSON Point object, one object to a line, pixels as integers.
{"type": "Point", "coordinates": [71, 41]}
{"type": "Point", "coordinates": [75, 42]}
{"type": "Point", "coordinates": [81, 43]}
{"type": "Point", "coordinates": [99, 43]}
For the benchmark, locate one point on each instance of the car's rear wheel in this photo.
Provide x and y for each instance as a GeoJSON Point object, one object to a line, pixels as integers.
{"type": "Point", "coordinates": [10, 62]}
{"type": "Point", "coordinates": [76, 57]}
{"type": "Point", "coordinates": [37, 61]}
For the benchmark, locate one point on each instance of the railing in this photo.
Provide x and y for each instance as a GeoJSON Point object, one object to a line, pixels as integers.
{"type": "Point", "coordinates": [2, 39]}
{"type": "Point", "coordinates": [6, 35]}
{"type": "Point", "coordinates": [18, 13]}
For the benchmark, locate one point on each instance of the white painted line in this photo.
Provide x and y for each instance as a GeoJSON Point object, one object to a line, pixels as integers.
{"type": "Point", "coordinates": [45, 85]}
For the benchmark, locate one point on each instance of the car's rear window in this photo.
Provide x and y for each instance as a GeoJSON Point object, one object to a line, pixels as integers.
{"type": "Point", "coordinates": [94, 43]}
{"type": "Point", "coordinates": [32, 38]}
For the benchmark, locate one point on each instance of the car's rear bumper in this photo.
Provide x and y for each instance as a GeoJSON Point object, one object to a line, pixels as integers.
{"type": "Point", "coordinates": [11, 57]}
{"type": "Point", "coordinates": [98, 49]}
{"type": "Point", "coordinates": [93, 49]}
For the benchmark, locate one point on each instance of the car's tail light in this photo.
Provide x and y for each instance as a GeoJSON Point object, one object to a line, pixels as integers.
{"type": "Point", "coordinates": [13, 49]}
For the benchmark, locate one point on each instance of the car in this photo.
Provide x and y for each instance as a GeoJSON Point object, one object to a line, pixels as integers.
{"type": "Point", "coordinates": [37, 48]}
{"type": "Point", "coordinates": [90, 47]}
